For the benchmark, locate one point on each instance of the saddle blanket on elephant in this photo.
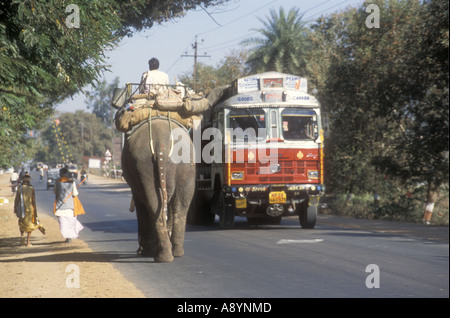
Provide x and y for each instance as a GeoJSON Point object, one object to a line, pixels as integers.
{"type": "Point", "coordinates": [130, 118]}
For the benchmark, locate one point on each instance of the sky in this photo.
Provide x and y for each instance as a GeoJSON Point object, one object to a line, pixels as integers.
{"type": "Point", "coordinates": [218, 30]}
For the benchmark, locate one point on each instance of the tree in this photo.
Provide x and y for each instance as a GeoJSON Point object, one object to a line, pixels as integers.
{"type": "Point", "coordinates": [421, 152]}
{"type": "Point", "coordinates": [283, 45]}
{"type": "Point", "coordinates": [73, 136]}
{"type": "Point", "coordinates": [138, 15]}
{"type": "Point", "coordinates": [46, 56]}
{"type": "Point", "coordinates": [99, 100]}
{"type": "Point", "coordinates": [228, 69]}
{"type": "Point", "coordinates": [386, 90]}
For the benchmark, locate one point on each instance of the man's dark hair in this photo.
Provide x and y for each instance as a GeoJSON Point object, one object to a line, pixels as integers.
{"type": "Point", "coordinates": [63, 171]}
{"type": "Point", "coordinates": [153, 64]}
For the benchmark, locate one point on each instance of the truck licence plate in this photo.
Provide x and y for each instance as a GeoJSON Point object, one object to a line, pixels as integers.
{"type": "Point", "coordinates": [277, 197]}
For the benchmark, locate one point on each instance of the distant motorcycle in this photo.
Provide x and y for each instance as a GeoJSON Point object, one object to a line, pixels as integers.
{"type": "Point", "coordinates": [83, 177]}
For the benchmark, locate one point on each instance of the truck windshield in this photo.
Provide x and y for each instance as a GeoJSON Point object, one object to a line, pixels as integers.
{"type": "Point", "coordinates": [299, 124]}
{"type": "Point", "coordinates": [251, 121]}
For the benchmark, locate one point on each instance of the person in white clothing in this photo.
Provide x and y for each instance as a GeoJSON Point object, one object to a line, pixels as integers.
{"type": "Point", "coordinates": [154, 81]}
{"type": "Point", "coordinates": [65, 191]}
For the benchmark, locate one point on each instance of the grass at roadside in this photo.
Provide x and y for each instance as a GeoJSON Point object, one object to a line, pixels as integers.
{"type": "Point", "coordinates": [407, 208]}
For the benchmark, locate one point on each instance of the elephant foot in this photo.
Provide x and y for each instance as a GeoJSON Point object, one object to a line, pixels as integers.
{"type": "Point", "coordinates": [177, 251]}
{"type": "Point", "coordinates": [145, 251]}
{"type": "Point", "coordinates": [164, 258]}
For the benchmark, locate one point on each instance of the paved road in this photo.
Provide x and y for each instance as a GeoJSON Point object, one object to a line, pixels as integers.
{"type": "Point", "coordinates": [340, 258]}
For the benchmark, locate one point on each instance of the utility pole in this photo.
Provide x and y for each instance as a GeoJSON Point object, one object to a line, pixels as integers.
{"type": "Point", "coordinates": [195, 56]}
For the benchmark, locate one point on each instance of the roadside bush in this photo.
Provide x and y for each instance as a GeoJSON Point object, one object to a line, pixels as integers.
{"type": "Point", "coordinates": [396, 205]}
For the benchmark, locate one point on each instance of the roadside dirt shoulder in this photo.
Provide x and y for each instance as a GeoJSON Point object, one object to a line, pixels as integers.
{"type": "Point", "coordinates": [49, 268]}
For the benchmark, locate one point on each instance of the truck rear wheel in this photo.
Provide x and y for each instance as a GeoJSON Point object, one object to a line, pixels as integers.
{"type": "Point", "coordinates": [308, 216]}
{"type": "Point", "coordinates": [226, 212]}
{"type": "Point", "coordinates": [199, 211]}
{"type": "Point", "coordinates": [226, 218]}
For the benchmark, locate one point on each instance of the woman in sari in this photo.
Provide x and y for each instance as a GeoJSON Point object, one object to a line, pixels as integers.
{"type": "Point", "coordinates": [25, 209]}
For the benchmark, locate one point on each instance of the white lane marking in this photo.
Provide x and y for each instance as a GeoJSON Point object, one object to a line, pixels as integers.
{"type": "Point", "coordinates": [286, 241]}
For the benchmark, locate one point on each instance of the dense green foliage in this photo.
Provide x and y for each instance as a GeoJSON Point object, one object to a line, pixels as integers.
{"type": "Point", "coordinates": [43, 60]}
{"type": "Point", "coordinates": [46, 55]}
{"type": "Point", "coordinates": [386, 92]}
{"type": "Point", "coordinates": [283, 45]}
{"type": "Point", "coordinates": [72, 137]}
{"type": "Point", "coordinates": [99, 100]}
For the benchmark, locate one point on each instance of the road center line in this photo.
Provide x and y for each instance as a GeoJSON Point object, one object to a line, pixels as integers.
{"type": "Point", "coordinates": [287, 241]}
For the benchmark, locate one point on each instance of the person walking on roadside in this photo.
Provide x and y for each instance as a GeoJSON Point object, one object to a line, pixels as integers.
{"type": "Point", "coordinates": [41, 175]}
{"type": "Point", "coordinates": [432, 197]}
{"type": "Point", "coordinates": [67, 206]}
{"type": "Point", "coordinates": [25, 209]}
{"type": "Point", "coordinates": [14, 180]}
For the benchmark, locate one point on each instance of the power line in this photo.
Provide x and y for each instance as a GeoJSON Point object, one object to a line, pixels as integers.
{"type": "Point", "coordinates": [246, 16]}
{"type": "Point", "coordinates": [195, 56]}
{"type": "Point", "coordinates": [334, 6]}
{"type": "Point", "coordinates": [179, 58]}
{"type": "Point", "coordinates": [211, 16]}
{"type": "Point", "coordinates": [239, 18]}
{"type": "Point", "coordinates": [235, 39]}
{"type": "Point", "coordinates": [316, 6]}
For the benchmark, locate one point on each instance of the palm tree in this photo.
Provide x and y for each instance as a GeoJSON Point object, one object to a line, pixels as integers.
{"type": "Point", "coordinates": [283, 44]}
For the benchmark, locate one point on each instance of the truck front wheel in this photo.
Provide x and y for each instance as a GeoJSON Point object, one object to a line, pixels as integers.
{"type": "Point", "coordinates": [308, 216]}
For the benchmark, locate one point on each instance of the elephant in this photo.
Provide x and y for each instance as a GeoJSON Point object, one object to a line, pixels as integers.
{"type": "Point", "coordinates": [162, 190]}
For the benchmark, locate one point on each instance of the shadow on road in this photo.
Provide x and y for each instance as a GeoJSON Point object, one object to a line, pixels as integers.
{"type": "Point", "coordinates": [113, 226]}
{"type": "Point", "coordinates": [102, 257]}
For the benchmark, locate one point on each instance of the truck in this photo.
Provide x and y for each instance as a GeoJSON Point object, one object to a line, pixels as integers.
{"type": "Point", "coordinates": [262, 149]}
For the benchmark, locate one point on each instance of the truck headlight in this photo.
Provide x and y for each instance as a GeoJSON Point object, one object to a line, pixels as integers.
{"type": "Point", "coordinates": [313, 174]}
{"type": "Point", "coordinates": [237, 175]}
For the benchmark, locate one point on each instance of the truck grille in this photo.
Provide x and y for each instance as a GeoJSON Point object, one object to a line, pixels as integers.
{"type": "Point", "coordinates": [287, 171]}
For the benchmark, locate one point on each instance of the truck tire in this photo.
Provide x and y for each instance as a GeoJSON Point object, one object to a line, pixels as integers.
{"type": "Point", "coordinates": [308, 216]}
{"type": "Point", "coordinates": [226, 212]}
{"type": "Point", "coordinates": [199, 212]}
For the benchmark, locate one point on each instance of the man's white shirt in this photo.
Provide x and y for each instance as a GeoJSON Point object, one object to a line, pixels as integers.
{"type": "Point", "coordinates": [155, 81]}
